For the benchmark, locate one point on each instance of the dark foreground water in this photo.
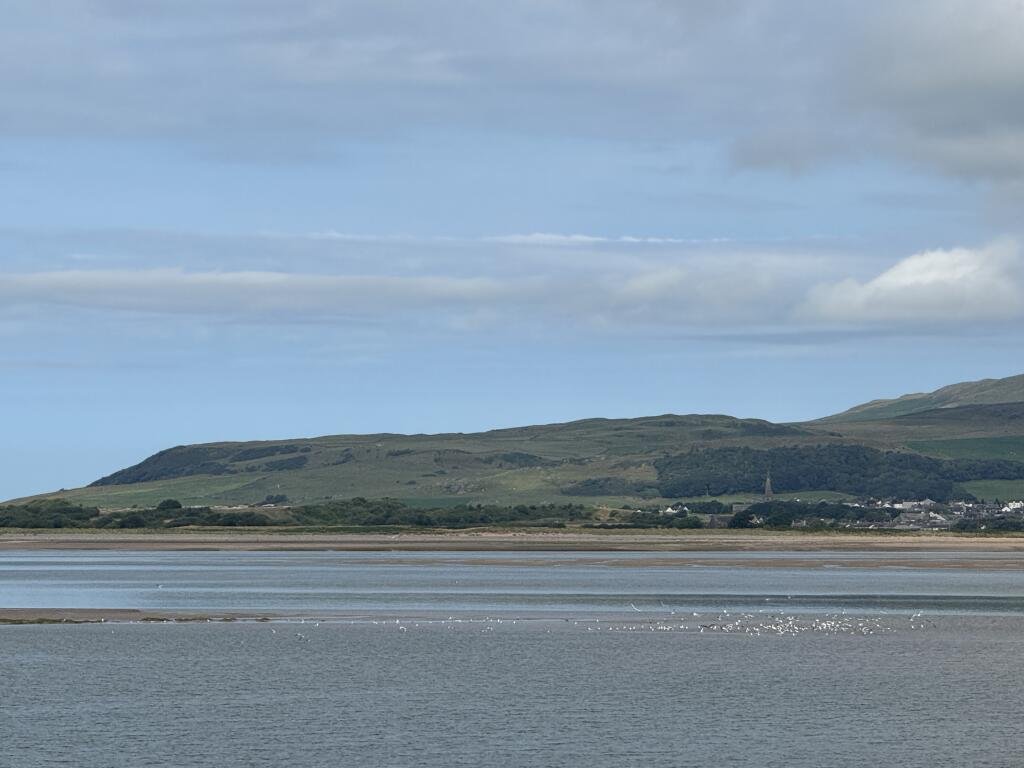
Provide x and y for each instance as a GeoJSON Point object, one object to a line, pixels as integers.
{"type": "Point", "coordinates": [517, 660]}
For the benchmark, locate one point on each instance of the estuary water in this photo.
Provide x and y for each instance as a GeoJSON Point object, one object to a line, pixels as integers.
{"type": "Point", "coordinates": [516, 659]}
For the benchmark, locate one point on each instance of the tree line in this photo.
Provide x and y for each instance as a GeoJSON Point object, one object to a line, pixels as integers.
{"type": "Point", "coordinates": [853, 469]}
{"type": "Point", "coordinates": [357, 512]}
{"type": "Point", "coordinates": [780, 514]}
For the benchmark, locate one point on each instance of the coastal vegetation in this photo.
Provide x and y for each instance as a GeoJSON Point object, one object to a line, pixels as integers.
{"type": "Point", "coordinates": [356, 512]}
{"type": "Point", "coordinates": [642, 519]}
{"type": "Point", "coordinates": [999, 525]}
{"type": "Point", "coordinates": [360, 514]}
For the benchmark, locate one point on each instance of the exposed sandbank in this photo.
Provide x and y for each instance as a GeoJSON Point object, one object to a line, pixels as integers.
{"type": "Point", "coordinates": [524, 541]}
{"type": "Point", "coordinates": [113, 615]}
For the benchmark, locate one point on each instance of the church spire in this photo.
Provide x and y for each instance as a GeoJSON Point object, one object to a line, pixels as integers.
{"type": "Point", "coordinates": [768, 493]}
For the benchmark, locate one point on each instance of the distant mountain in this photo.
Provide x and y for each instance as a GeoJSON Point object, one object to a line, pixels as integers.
{"type": "Point", "coordinates": [983, 392]}
{"type": "Point", "coordinates": [965, 438]}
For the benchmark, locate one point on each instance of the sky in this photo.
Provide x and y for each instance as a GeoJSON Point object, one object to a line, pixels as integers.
{"type": "Point", "coordinates": [256, 219]}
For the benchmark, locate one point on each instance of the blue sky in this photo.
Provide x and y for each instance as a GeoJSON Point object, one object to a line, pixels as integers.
{"type": "Point", "coordinates": [244, 220]}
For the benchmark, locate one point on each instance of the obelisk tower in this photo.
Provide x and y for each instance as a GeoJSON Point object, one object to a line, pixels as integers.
{"type": "Point", "coordinates": [768, 493]}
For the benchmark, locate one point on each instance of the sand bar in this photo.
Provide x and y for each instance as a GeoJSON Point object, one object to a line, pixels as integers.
{"type": "Point", "coordinates": [523, 541]}
{"type": "Point", "coordinates": [112, 615]}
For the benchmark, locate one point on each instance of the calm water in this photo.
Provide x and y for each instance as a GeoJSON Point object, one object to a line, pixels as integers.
{"type": "Point", "coordinates": [513, 659]}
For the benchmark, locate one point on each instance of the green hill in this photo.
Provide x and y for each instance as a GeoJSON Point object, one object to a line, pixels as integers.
{"type": "Point", "coordinates": [535, 464]}
{"type": "Point", "coordinates": [983, 392]}
{"type": "Point", "coordinates": [942, 444]}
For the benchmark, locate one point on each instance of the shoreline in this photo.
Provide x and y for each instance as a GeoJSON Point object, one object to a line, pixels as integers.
{"type": "Point", "coordinates": [23, 616]}
{"type": "Point", "coordinates": [719, 540]}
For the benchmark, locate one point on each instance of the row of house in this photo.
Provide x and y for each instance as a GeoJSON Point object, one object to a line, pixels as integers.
{"type": "Point", "coordinates": [914, 515]}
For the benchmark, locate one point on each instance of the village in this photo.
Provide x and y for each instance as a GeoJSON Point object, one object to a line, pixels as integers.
{"type": "Point", "coordinates": [867, 514]}
{"type": "Point", "coordinates": [872, 514]}
{"type": "Point", "coordinates": [929, 514]}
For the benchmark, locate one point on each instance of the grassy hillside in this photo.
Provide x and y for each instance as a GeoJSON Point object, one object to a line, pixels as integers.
{"type": "Point", "coordinates": [603, 461]}
{"type": "Point", "coordinates": [991, 490]}
{"type": "Point", "coordinates": [973, 448]}
{"type": "Point", "coordinates": [966, 422]}
{"type": "Point", "coordinates": [983, 392]}
{"type": "Point", "coordinates": [522, 465]}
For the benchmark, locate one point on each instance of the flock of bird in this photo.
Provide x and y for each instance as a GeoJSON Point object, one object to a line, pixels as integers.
{"type": "Point", "coordinates": [723, 622]}
{"type": "Point", "coordinates": [762, 622]}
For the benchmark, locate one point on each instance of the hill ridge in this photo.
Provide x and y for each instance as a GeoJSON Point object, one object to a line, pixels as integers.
{"type": "Point", "coordinates": [980, 392]}
{"type": "Point", "coordinates": [612, 461]}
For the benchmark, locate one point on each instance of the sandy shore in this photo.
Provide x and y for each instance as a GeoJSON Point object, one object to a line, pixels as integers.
{"type": "Point", "coordinates": [522, 541]}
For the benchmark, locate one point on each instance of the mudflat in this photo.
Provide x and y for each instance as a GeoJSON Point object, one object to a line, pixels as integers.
{"type": "Point", "coordinates": [525, 541]}
{"type": "Point", "coordinates": [111, 615]}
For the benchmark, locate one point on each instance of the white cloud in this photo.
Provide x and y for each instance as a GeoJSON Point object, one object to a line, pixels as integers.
{"type": "Point", "coordinates": [247, 293]}
{"type": "Point", "coordinates": [555, 239]}
{"type": "Point", "coordinates": [347, 237]}
{"type": "Point", "coordinates": [546, 238]}
{"type": "Point", "coordinates": [624, 286]}
{"type": "Point", "coordinates": [659, 285]}
{"type": "Point", "coordinates": [611, 286]}
{"type": "Point", "coordinates": [941, 286]}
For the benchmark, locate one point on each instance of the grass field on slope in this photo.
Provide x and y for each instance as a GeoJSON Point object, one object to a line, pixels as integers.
{"type": "Point", "coordinates": [973, 448]}
{"type": "Point", "coordinates": [1004, 490]}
